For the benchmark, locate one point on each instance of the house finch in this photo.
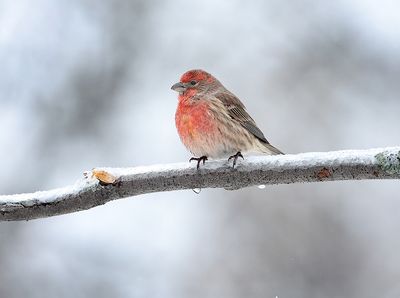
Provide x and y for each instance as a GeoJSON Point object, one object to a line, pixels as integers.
{"type": "Point", "coordinates": [213, 122]}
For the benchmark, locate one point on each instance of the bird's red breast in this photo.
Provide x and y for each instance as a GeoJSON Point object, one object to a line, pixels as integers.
{"type": "Point", "coordinates": [194, 122]}
{"type": "Point", "coordinates": [197, 127]}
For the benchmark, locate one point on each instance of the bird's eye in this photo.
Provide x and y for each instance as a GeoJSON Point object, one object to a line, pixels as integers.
{"type": "Point", "coordinates": [193, 83]}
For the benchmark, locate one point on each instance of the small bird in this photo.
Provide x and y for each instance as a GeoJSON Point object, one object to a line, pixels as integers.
{"type": "Point", "coordinates": [212, 122]}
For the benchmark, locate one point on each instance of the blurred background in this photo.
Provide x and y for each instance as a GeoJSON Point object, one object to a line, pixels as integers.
{"type": "Point", "coordinates": [86, 83]}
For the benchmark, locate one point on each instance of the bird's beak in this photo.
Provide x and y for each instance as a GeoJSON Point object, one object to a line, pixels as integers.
{"type": "Point", "coordinates": [179, 87]}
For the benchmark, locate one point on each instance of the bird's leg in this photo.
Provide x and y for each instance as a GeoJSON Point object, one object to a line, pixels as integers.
{"type": "Point", "coordinates": [235, 157]}
{"type": "Point", "coordinates": [199, 160]}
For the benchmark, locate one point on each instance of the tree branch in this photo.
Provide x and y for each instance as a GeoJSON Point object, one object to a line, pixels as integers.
{"type": "Point", "coordinates": [383, 163]}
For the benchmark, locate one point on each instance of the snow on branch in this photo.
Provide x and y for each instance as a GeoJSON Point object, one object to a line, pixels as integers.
{"type": "Point", "coordinates": [383, 163]}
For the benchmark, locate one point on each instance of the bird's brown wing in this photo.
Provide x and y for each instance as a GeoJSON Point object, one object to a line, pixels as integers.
{"type": "Point", "coordinates": [238, 112]}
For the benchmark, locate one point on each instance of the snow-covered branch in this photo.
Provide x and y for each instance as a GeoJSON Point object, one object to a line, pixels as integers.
{"type": "Point", "coordinates": [383, 163]}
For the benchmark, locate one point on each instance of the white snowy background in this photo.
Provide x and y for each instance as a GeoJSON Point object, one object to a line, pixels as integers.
{"type": "Point", "coordinates": [85, 83]}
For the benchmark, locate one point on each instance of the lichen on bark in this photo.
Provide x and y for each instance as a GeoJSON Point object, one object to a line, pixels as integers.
{"type": "Point", "coordinates": [389, 162]}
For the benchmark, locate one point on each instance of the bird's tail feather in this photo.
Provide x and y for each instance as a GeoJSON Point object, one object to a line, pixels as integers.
{"type": "Point", "coordinates": [269, 149]}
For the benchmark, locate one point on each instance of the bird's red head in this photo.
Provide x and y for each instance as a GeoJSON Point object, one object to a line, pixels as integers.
{"type": "Point", "coordinates": [193, 81]}
{"type": "Point", "coordinates": [197, 75]}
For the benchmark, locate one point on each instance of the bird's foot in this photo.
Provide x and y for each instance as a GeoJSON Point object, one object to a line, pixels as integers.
{"type": "Point", "coordinates": [235, 157]}
{"type": "Point", "coordinates": [199, 160]}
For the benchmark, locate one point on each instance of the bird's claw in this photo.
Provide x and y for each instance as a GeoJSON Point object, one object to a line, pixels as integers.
{"type": "Point", "coordinates": [199, 160]}
{"type": "Point", "coordinates": [235, 157]}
